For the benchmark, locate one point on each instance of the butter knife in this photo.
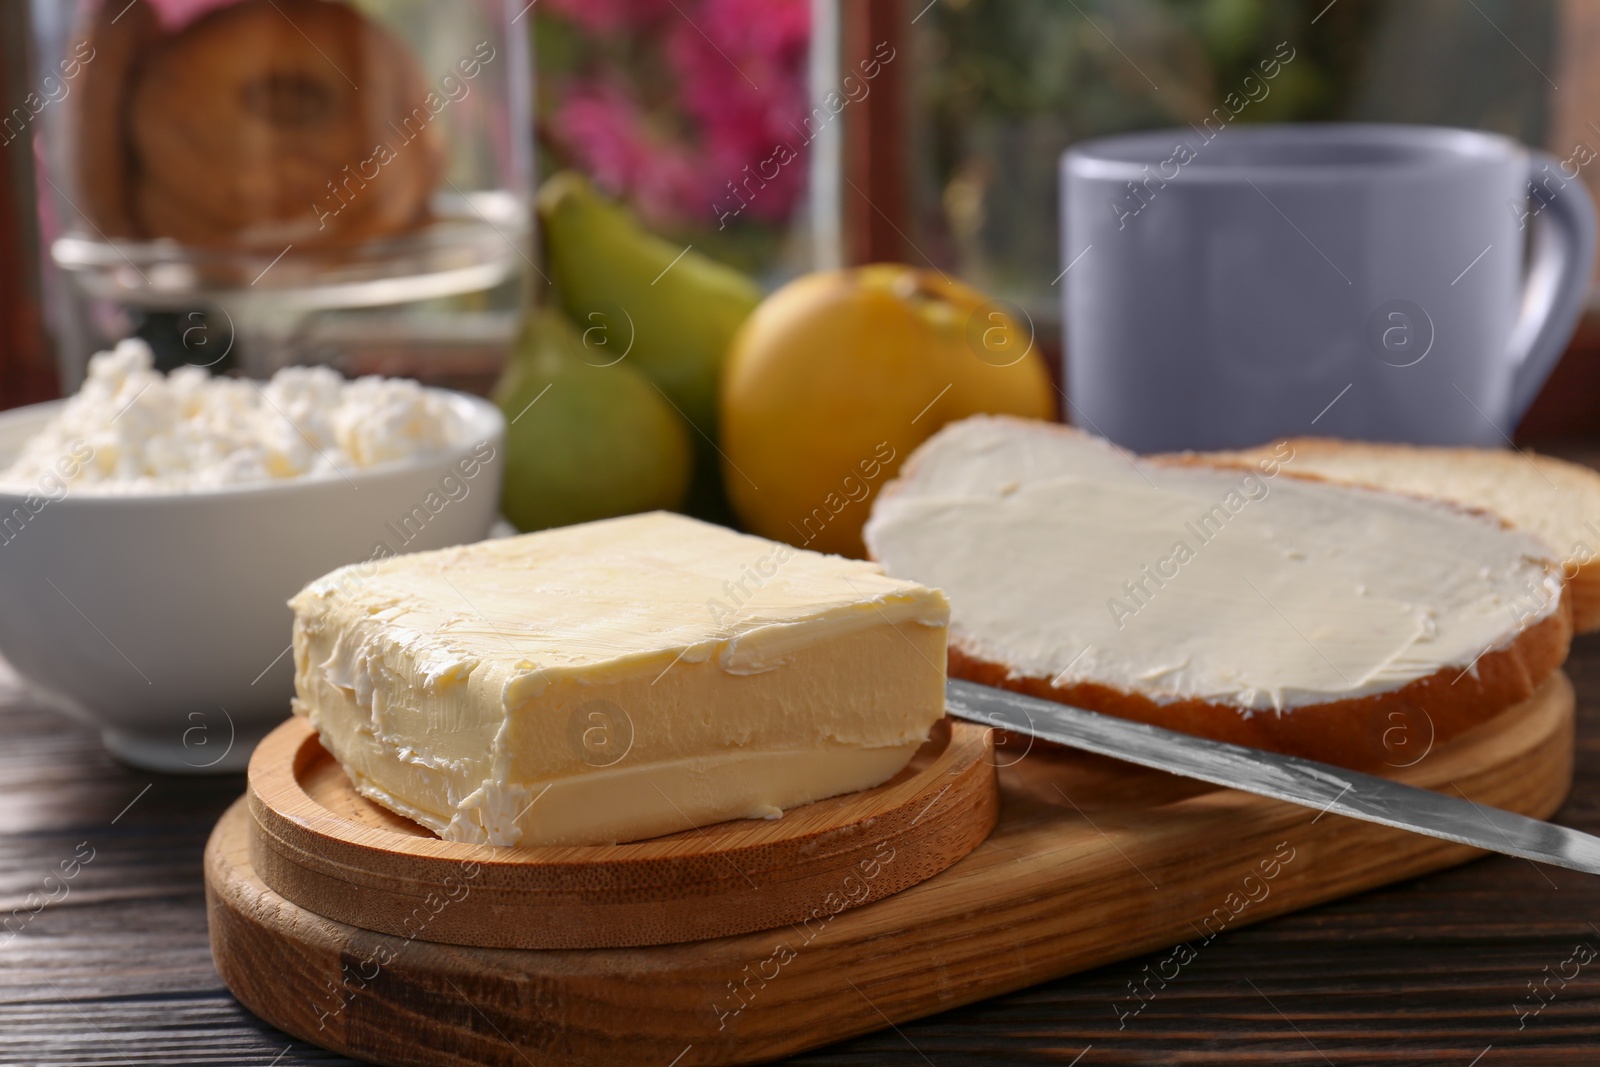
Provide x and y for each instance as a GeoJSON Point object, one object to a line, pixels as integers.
{"type": "Point", "coordinates": [1321, 786]}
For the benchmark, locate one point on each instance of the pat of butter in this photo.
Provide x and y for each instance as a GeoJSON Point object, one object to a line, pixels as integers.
{"type": "Point", "coordinates": [616, 680]}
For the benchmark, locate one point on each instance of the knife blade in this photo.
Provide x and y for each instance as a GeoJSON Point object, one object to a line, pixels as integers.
{"type": "Point", "coordinates": [1299, 781]}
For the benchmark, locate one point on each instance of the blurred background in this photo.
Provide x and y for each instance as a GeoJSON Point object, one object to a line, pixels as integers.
{"type": "Point", "coordinates": [778, 136]}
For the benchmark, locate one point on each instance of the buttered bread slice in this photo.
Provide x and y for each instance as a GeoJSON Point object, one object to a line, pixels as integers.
{"type": "Point", "coordinates": [1557, 500]}
{"type": "Point", "coordinates": [616, 680]}
{"type": "Point", "coordinates": [1337, 622]}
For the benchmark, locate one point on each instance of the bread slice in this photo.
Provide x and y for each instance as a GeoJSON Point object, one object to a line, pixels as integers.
{"type": "Point", "coordinates": [1338, 622]}
{"type": "Point", "coordinates": [1557, 500]}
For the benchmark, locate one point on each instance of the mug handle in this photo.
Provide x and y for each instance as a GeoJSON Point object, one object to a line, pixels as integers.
{"type": "Point", "coordinates": [1560, 264]}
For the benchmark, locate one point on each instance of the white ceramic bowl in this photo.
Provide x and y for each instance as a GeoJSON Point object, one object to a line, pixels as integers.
{"type": "Point", "coordinates": [161, 618]}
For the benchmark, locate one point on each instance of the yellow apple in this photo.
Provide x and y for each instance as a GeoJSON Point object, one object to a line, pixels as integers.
{"type": "Point", "coordinates": [837, 376]}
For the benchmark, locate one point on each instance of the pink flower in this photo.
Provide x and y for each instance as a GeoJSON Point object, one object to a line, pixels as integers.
{"type": "Point", "coordinates": [610, 140]}
{"type": "Point", "coordinates": [741, 66]}
{"type": "Point", "coordinates": [174, 15]}
{"type": "Point", "coordinates": [604, 17]}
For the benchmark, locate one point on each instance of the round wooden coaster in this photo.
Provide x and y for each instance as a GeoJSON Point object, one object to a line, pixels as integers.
{"type": "Point", "coordinates": [317, 842]}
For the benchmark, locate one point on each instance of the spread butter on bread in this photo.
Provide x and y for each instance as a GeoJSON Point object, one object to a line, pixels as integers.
{"type": "Point", "coordinates": [1247, 604]}
{"type": "Point", "coordinates": [1557, 500]}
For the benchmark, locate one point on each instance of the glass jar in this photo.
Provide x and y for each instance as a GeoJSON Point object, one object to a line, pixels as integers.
{"type": "Point", "coordinates": [252, 183]}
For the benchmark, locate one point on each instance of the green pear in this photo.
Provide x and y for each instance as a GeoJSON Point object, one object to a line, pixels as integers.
{"type": "Point", "coordinates": [585, 438]}
{"type": "Point", "coordinates": [673, 312]}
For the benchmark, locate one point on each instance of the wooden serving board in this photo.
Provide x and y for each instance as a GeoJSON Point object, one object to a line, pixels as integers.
{"type": "Point", "coordinates": [1092, 861]}
{"type": "Point", "coordinates": [319, 843]}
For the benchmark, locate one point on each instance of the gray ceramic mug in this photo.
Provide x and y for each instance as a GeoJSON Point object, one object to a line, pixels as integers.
{"type": "Point", "coordinates": [1394, 283]}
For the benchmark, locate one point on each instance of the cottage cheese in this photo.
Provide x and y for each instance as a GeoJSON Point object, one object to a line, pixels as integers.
{"type": "Point", "coordinates": [188, 430]}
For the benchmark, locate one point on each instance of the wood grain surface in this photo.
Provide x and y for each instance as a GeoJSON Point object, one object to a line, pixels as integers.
{"type": "Point", "coordinates": [318, 843]}
{"type": "Point", "coordinates": [1433, 970]}
{"type": "Point", "coordinates": [1090, 862]}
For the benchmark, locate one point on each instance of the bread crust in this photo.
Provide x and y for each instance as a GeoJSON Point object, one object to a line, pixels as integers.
{"type": "Point", "coordinates": [118, 38]}
{"type": "Point", "coordinates": [1585, 587]}
{"type": "Point", "coordinates": [1395, 728]}
{"type": "Point", "coordinates": [273, 121]}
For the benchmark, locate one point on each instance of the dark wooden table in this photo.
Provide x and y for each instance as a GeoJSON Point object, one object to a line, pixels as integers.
{"type": "Point", "coordinates": [117, 971]}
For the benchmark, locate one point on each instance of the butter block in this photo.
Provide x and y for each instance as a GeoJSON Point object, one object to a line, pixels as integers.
{"type": "Point", "coordinates": [616, 680]}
